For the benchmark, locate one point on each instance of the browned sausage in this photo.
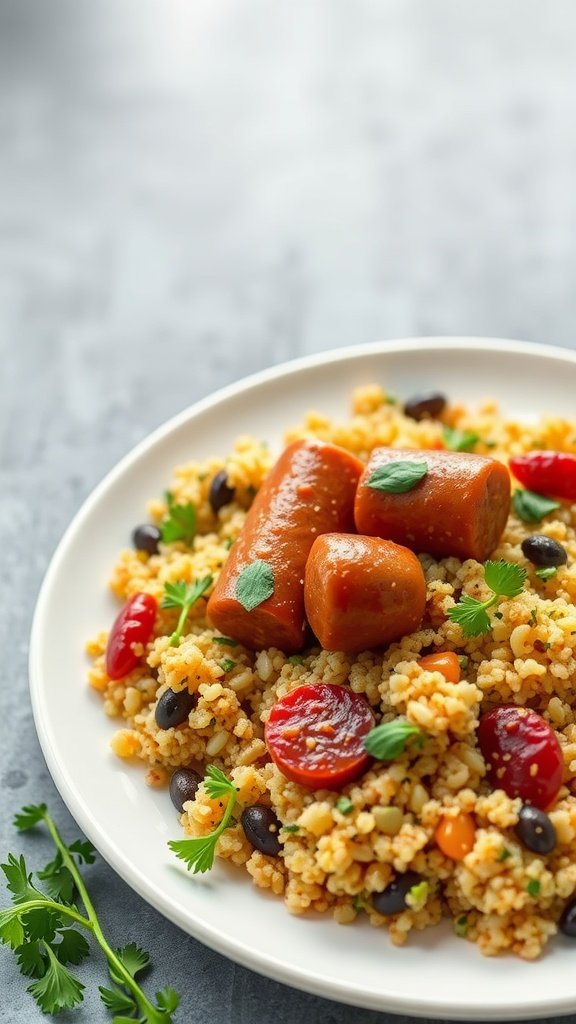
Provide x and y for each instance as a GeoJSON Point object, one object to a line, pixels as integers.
{"type": "Point", "coordinates": [309, 491]}
{"type": "Point", "coordinates": [459, 508]}
{"type": "Point", "coordinates": [362, 592]}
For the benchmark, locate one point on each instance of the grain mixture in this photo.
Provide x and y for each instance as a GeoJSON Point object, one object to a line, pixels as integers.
{"type": "Point", "coordinates": [336, 855]}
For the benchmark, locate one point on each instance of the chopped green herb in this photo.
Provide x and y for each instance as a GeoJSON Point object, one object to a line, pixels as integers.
{"type": "Point", "coordinates": [504, 854]}
{"type": "Point", "coordinates": [290, 828]}
{"type": "Point", "coordinates": [199, 853]}
{"type": "Point", "coordinates": [532, 507]}
{"type": "Point", "coordinates": [227, 664]}
{"type": "Point", "coordinates": [44, 932]}
{"type": "Point", "coordinates": [255, 584]}
{"type": "Point", "coordinates": [180, 522]}
{"type": "Point", "coordinates": [296, 659]}
{"type": "Point", "coordinates": [358, 903]}
{"type": "Point", "coordinates": [547, 572]}
{"type": "Point", "coordinates": [505, 579]}
{"type": "Point", "coordinates": [388, 740]}
{"type": "Point", "coordinates": [344, 805]}
{"type": "Point", "coordinates": [533, 617]}
{"type": "Point", "coordinates": [463, 661]}
{"type": "Point", "coordinates": [398, 477]}
{"type": "Point", "coordinates": [533, 887]}
{"type": "Point", "coordinates": [225, 641]}
{"type": "Point", "coordinates": [181, 595]}
{"type": "Point", "coordinates": [460, 440]}
{"type": "Point", "coordinates": [418, 894]}
{"type": "Point", "coordinates": [461, 926]}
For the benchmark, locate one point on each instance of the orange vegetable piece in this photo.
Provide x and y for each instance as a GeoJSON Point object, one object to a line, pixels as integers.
{"type": "Point", "coordinates": [445, 662]}
{"type": "Point", "coordinates": [455, 836]}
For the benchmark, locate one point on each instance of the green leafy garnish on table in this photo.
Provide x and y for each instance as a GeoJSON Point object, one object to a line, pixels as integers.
{"type": "Point", "coordinates": [255, 584]}
{"type": "Point", "coordinates": [460, 440]}
{"type": "Point", "coordinates": [45, 928]}
{"type": "Point", "coordinates": [398, 477]}
{"type": "Point", "coordinates": [199, 853]}
{"type": "Point", "coordinates": [387, 741]}
{"type": "Point", "coordinates": [183, 595]}
{"type": "Point", "coordinates": [505, 579]}
{"type": "Point", "coordinates": [532, 507]}
{"type": "Point", "coordinates": [180, 522]}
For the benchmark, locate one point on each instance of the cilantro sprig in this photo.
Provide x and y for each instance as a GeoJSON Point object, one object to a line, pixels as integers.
{"type": "Point", "coordinates": [183, 595]}
{"type": "Point", "coordinates": [199, 853]}
{"type": "Point", "coordinates": [45, 928]}
{"type": "Point", "coordinates": [180, 522]}
{"type": "Point", "coordinates": [505, 579]}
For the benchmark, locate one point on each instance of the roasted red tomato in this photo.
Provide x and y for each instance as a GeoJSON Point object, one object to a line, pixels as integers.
{"type": "Point", "coordinates": [315, 735]}
{"type": "Point", "coordinates": [550, 473]}
{"type": "Point", "coordinates": [134, 625]}
{"type": "Point", "coordinates": [522, 754]}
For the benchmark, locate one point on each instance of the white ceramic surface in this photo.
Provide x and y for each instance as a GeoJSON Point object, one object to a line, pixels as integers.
{"type": "Point", "coordinates": [436, 974]}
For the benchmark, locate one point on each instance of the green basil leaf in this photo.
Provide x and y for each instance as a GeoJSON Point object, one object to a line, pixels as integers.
{"type": "Point", "coordinates": [398, 477]}
{"type": "Point", "coordinates": [255, 584]}
{"type": "Point", "coordinates": [532, 507]}
{"type": "Point", "coordinates": [387, 741]}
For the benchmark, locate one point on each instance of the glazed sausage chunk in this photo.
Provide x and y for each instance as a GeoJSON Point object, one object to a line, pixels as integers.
{"type": "Point", "coordinates": [308, 492]}
{"type": "Point", "coordinates": [459, 507]}
{"type": "Point", "coordinates": [362, 592]}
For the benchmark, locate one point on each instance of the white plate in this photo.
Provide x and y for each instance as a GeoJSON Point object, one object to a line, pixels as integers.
{"type": "Point", "coordinates": [435, 975]}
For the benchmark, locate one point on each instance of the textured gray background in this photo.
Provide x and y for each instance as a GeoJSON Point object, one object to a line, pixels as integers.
{"type": "Point", "coordinates": [194, 189]}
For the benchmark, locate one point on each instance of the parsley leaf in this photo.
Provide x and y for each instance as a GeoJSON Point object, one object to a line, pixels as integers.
{"type": "Point", "coordinates": [72, 948]}
{"type": "Point", "coordinates": [547, 572]}
{"type": "Point", "coordinates": [11, 930]}
{"type": "Point", "coordinates": [387, 741]}
{"type": "Point", "coordinates": [168, 999]}
{"type": "Point", "coordinates": [398, 477]}
{"type": "Point", "coordinates": [199, 853]}
{"type": "Point", "coordinates": [29, 816]}
{"type": "Point", "coordinates": [180, 523]}
{"type": "Point", "coordinates": [505, 579]}
{"type": "Point", "coordinates": [57, 989]}
{"type": "Point", "coordinates": [533, 887]}
{"type": "Point", "coordinates": [116, 1000]}
{"type": "Point", "coordinates": [460, 440]}
{"type": "Point", "coordinates": [19, 881]}
{"type": "Point", "coordinates": [532, 507]}
{"type": "Point", "coordinates": [135, 960]}
{"type": "Point", "coordinates": [255, 584]}
{"type": "Point", "coordinates": [181, 595]}
{"type": "Point", "coordinates": [84, 850]}
{"type": "Point", "coordinates": [41, 923]}
{"type": "Point", "coordinates": [30, 960]}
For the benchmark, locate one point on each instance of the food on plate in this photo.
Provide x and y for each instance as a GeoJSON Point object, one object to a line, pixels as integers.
{"type": "Point", "coordinates": [362, 592]}
{"type": "Point", "coordinates": [406, 778]}
{"type": "Point", "coordinates": [549, 473]}
{"type": "Point", "coordinates": [259, 596]}
{"type": "Point", "coordinates": [439, 502]}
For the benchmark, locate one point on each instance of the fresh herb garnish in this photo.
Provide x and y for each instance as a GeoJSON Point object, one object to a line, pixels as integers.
{"type": "Point", "coordinates": [199, 853]}
{"type": "Point", "coordinates": [255, 584]}
{"type": "Point", "coordinates": [547, 572]}
{"type": "Point", "coordinates": [43, 930]}
{"type": "Point", "coordinates": [227, 664]}
{"type": "Point", "coordinates": [461, 926]}
{"type": "Point", "coordinates": [505, 579]}
{"type": "Point", "coordinates": [296, 659]}
{"type": "Point", "coordinates": [504, 854]}
{"type": "Point", "coordinates": [418, 894]}
{"type": "Point", "coordinates": [344, 805]}
{"type": "Point", "coordinates": [532, 507]}
{"type": "Point", "coordinates": [463, 661]}
{"type": "Point", "coordinates": [183, 595]}
{"type": "Point", "coordinates": [533, 887]}
{"type": "Point", "coordinates": [398, 477]}
{"type": "Point", "coordinates": [460, 440]}
{"type": "Point", "coordinates": [226, 641]}
{"type": "Point", "coordinates": [180, 522]}
{"type": "Point", "coordinates": [387, 741]}
{"type": "Point", "coordinates": [290, 828]}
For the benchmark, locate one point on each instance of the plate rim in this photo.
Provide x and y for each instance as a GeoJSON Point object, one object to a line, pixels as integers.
{"type": "Point", "coordinates": [267, 965]}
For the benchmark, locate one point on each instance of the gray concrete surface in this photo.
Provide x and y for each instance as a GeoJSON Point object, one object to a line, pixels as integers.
{"type": "Point", "coordinates": [192, 191]}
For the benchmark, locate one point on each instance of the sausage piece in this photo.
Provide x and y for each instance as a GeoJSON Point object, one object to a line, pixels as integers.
{"type": "Point", "coordinates": [459, 508]}
{"type": "Point", "coordinates": [362, 592]}
{"type": "Point", "coordinates": [309, 491]}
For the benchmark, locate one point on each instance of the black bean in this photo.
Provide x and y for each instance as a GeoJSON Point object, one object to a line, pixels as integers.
{"type": "Point", "coordinates": [146, 538]}
{"type": "Point", "coordinates": [425, 407]}
{"type": "Point", "coordinates": [220, 493]}
{"type": "Point", "coordinates": [393, 899]}
{"type": "Point", "coordinates": [542, 550]}
{"type": "Point", "coordinates": [535, 830]}
{"type": "Point", "coordinates": [261, 828]}
{"type": "Point", "coordinates": [183, 786]}
{"type": "Point", "coordinates": [173, 708]}
{"type": "Point", "coordinates": [567, 922]}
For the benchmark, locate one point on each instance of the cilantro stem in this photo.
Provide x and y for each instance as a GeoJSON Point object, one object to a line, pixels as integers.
{"type": "Point", "coordinates": [181, 622]}
{"type": "Point", "coordinates": [59, 908]}
{"type": "Point", "coordinates": [153, 1015]}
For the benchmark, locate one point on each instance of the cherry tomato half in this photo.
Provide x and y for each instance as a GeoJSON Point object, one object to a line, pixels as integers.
{"type": "Point", "coordinates": [134, 625]}
{"type": "Point", "coordinates": [315, 735]}
{"type": "Point", "coordinates": [522, 754]}
{"type": "Point", "coordinates": [550, 473]}
{"type": "Point", "coordinates": [456, 836]}
{"type": "Point", "coordinates": [445, 662]}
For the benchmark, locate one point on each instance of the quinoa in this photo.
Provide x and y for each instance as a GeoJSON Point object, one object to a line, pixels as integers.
{"type": "Point", "coordinates": [500, 895]}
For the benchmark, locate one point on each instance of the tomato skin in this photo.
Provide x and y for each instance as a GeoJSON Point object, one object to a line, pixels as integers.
{"type": "Point", "coordinates": [315, 735]}
{"type": "Point", "coordinates": [445, 662]}
{"type": "Point", "coordinates": [522, 754]}
{"type": "Point", "coordinates": [456, 836]}
{"type": "Point", "coordinates": [133, 625]}
{"type": "Point", "coordinates": [549, 473]}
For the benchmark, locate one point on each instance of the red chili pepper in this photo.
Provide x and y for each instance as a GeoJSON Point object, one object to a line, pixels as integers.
{"type": "Point", "coordinates": [134, 625]}
{"type": "Point", "coordinates": [550, 473]}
